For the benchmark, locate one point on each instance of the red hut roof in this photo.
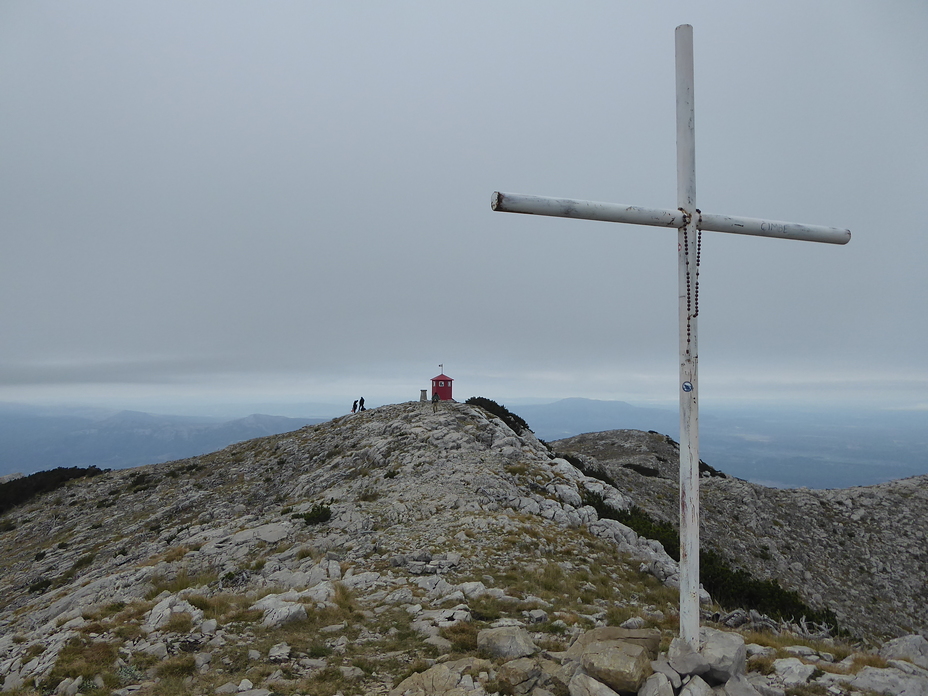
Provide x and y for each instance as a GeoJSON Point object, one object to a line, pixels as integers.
{"type": "Point", "coordinates": [444, 377]}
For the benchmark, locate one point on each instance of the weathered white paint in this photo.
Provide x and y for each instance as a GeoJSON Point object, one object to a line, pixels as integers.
{"type": "Point", "coordinates": [584, 210]}
{"type": "Point", "coordinates": [659, 217]}
{"type": "Point", "coordinates": [689, 357]}
{"type": "Point", "coordinates": [773, 228]}
{"type": "Point", "coordinates": [689, 221]}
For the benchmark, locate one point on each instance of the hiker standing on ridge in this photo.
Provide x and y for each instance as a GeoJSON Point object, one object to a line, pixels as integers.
{"type": "Point", "coordinates": [361, 404]}
{"type": "Point", "coordinates": [354, 406]}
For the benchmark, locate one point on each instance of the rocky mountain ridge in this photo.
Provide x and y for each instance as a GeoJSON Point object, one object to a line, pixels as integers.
{"type": "Point", "coordinates": [344, 557]}
{"type": "Point", "coordinates": [862, 551]}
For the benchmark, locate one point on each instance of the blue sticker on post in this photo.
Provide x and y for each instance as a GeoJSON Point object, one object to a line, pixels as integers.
{"type": "Point", "coordinates": [687, 386]}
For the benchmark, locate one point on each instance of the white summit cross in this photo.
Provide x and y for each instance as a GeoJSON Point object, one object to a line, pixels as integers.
{"type": "Point", "coordinates": [690, 221]}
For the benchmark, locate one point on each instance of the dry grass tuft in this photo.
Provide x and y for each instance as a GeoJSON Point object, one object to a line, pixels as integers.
{"type": "Point", "coordinates": [861, 660]}
{"type": "Point", "coordinates": [179, 666]}
{"type": "Point", "coordinates": [463, 636]}
{"type": "Point", "coordinates": [81, 657]}
{"type": "Point", "coordinates": [762, 664]}
{"type": "Point", "coordinates": [181, 581]}
{"type": "Point", "coordinates": [179, 622]}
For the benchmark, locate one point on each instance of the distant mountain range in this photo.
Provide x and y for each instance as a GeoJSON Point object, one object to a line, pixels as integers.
{"type": "Point", "coordinates": [779, 447]}
{"type": "Point", "coordinates": [36, 438]}
{"type": "Point", "coordinates": [569, 417]}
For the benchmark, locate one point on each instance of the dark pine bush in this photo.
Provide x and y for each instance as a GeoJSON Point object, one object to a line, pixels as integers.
{"type": "Point", "coordinates": [518, 425]}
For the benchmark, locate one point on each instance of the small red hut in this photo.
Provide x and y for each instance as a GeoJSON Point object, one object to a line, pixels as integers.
{"type": "Point", "coordinates": [441, 385]}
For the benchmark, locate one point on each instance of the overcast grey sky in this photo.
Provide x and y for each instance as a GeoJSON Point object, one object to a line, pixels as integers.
{"type": "Point", "coordinates": [222, 201]}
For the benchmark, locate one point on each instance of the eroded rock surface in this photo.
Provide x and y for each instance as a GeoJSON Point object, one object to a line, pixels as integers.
{"type": "Point", "coordinates": [366, 555]}
{"type": "Point", "coordinates": [860, 552]}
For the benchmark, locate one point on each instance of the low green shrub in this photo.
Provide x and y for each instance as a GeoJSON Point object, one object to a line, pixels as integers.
{"type": "Point", "coordinates": [81, 657]}
{"type": "Point", "coordinates": [643, 470]}
{"type": "Point", "coordinates": [40, 585]}
{"type": "Point", "coordinates": [22, 490]}
{"type": "Point", "coordinates": [517, 424]}
{"type": "Point", "coordinates": [592, 472]}
{"type": "Point", "coordinates": [318, 514]}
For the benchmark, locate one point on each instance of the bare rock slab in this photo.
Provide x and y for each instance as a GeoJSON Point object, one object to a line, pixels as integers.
{"type": "Point", "coordinates": [740, 686]}
{"type": "Point", "coordinates": [648, 638]}
{"type": "Point", "coordinates": [890, 681]}
{"type": "Point", "coordinates": [656, 685]}
{"type": "Point", "coordinates": [619, 665]}
{"type": "Point", "coordinates": [520, 674]}
{"type": "Point", "coordinates": [725, 652]}
{"type": "Point", "coordinates": [913, 648]}
{"type": "Point", "coordinates": [685, 660]}
{"type": "Point", "coordinates": [584, 685]}
{"type": "Point", "coordinates": [697, 687]}
{"type": "Point", "coordinates": [508, 642]}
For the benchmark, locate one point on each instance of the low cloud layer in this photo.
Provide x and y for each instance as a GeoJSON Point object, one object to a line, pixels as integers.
{"type": "Point", "coordinates": [217, 199]}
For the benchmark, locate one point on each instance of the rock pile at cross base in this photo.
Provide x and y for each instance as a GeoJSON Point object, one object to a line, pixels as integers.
{"type": "Point", "coordinates": [400, 550]}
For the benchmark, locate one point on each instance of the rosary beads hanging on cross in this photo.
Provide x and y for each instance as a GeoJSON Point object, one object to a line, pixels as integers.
{"type": "Point", "coordinates": [689, 221]}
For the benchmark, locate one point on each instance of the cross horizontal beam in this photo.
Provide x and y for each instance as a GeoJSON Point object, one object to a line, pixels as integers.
{"type": "Point", "coordinates": [616, 212]}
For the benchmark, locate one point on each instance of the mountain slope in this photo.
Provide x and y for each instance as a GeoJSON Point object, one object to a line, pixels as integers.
{"type": "Point", "coordinates": [859, 551]}
{"type": "Point", "coordinates": [411, 493]}
{"type": "Point", "coordinates": [339, 557]}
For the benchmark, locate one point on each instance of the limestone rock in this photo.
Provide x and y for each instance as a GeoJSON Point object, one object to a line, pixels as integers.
{"type": "Point", "coordinates": [161, 613]}
{"type": "Point", "coordinates": [685, 660]}
{"type": "Point", "coordinates": [890, 681]}
{"type": "Point", "coordinates": [725, 652]}
{"type": "Point", "coordinates": [657, 685]}
{"type": "Point", "coordinates": [268, 533]}
{"type": "Point", "coordinates": [663, 667]}
{"type": "Point", "coordinates": [159, 650]}
{"type": "Point", "coordinates": [620, 665]}
{"type": "Point", "coordinates": [584, 685]}
{"type": "Point", "coordinates": [913, 648]}
{"type": "Point", "coordinates": [443, 644]}
{"type": "Point", "coordinates": [12, 682]}
{"type": "Point", "coordinates": [739, 685]}
{"type": "Point", "coordinates": [696, 687]}
{"type": "Point", "coordinates": [792, 671]}
{"type": "Point", "coordinates": [279, 652]}
{"type": "Point", "coordinates": [507, 643]}
{"type": "Point", "coordinates": [69, 687]}
{"type": "Point", "coordinates": [278, 611]}
{"type": "Point", "coordinates": [648, 638]}
{"type": "Point", "coordinates": [521, 674]}
{"type": "Point", "coordinates": [434, 681]}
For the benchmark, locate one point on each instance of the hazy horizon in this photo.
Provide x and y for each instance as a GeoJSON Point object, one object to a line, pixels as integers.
{"type": "Point", "coordinates": [775, 446]}
{"type": "Point", "coordinates": [227, 203]}
{"type": "Point", "coordinates": [320, 408]}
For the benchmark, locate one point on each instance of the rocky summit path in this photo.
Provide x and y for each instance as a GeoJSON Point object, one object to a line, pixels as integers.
{"type": "Point", "coordinates": [398, 550]}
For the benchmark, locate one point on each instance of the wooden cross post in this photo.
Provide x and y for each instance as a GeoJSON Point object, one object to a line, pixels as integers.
{"type": "Point", "coordinates": [690, 222]}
